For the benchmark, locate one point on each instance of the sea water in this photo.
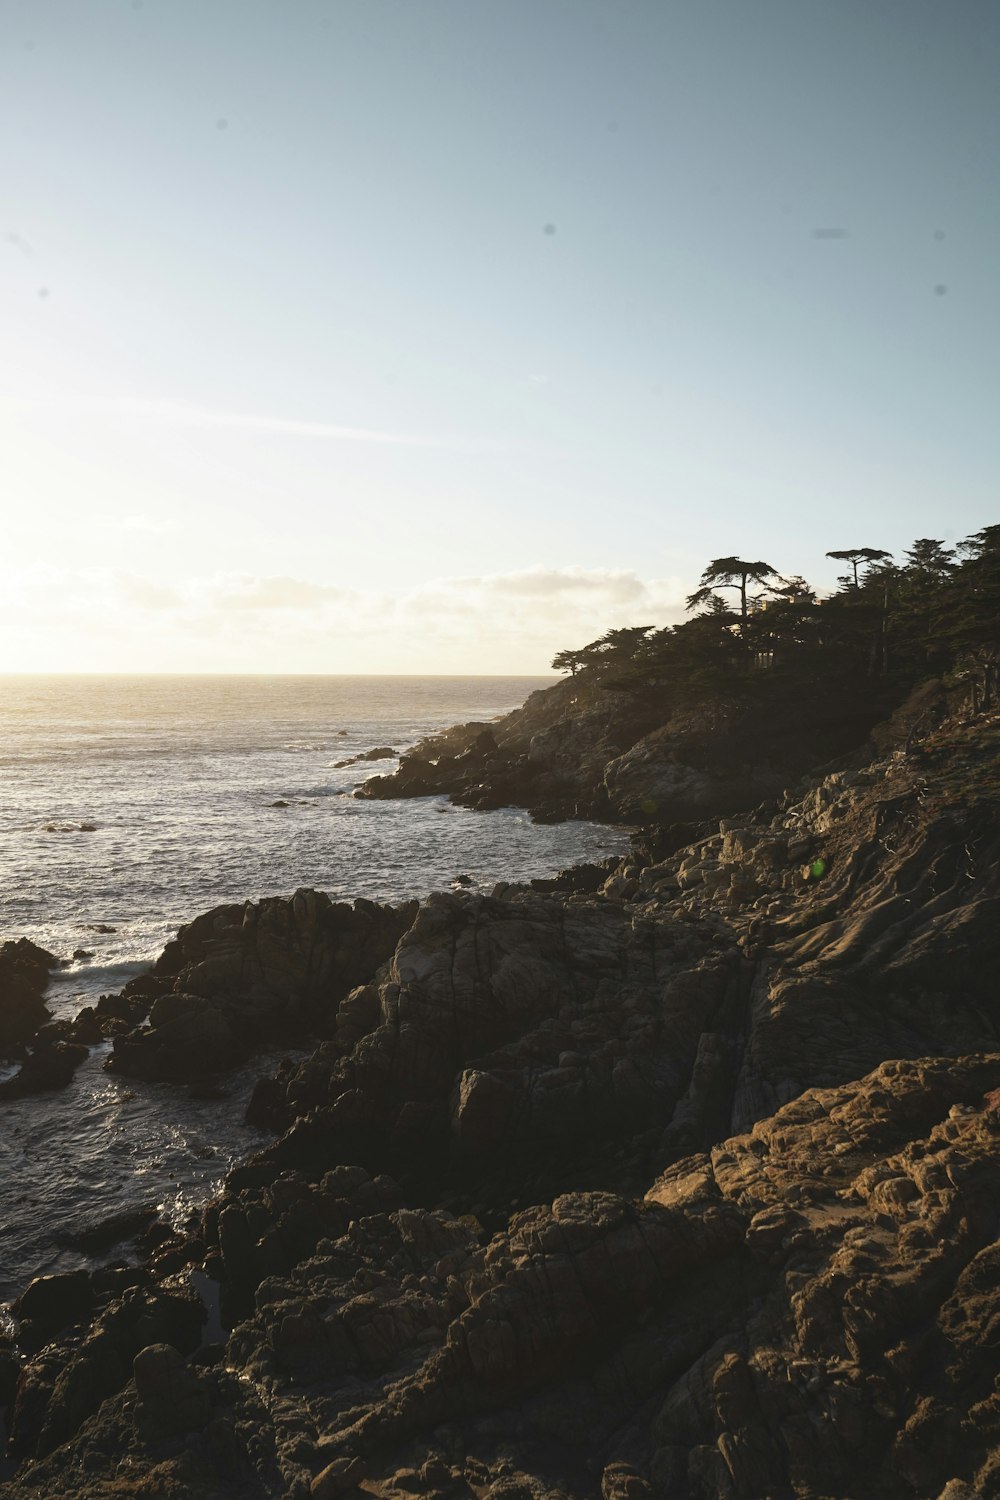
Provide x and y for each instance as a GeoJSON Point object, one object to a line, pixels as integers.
{"type": "Point", "coordinates": [128, 805]}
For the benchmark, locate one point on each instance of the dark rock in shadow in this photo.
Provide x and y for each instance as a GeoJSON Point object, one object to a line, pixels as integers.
{"type": "Point", "coordinates": [244, 977]}
{"type": "Point", "coordinates": [49, 1065]}
{"type": "Point", "coordinates": [24, 978]}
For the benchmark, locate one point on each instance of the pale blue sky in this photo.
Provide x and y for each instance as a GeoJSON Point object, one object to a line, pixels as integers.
{"type": "Point", "coordinates": [440, 334]}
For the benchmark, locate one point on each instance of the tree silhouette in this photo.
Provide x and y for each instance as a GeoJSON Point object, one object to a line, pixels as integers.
{"type": "Point", "coordinates": [788, 626]}
{"type": "Point", "coordinates": [930, 558]}
{"type": "Point", "coordinates": [855, 555]}
{"type": "Point", "coordinates": [569, 661]}
{"type": "Point", "coordinates": [732, 573]}
{"type": "Point", "coordinates": [612, 649]}
{"type": "Point", "coordinates": [621, 644]}
{"type": "Point", "coordinates": [937, 611]}
{"type": "Point", "coordinates": [916, 605]}
{"type": "Point", "coordinates": [968, 614]}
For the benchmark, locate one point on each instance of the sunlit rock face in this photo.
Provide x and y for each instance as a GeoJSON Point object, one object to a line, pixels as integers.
{"type": "Point", "coordinates": [838, 1261]}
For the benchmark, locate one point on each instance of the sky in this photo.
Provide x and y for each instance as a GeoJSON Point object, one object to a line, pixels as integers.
{"type": "Point", "coordinates": [440, 335]}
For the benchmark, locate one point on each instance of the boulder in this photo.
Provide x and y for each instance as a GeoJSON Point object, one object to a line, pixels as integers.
{"type": "Point", "coordinates": [49, 1065]}
{"type": "Point", "coordinates": [50, 1302]}
{"type": "Point", "coordinates": [172, 1399]}
{"type": "Point", "coordinates": [60, 1388]}
{"type": "Point", "coordinates": [24, 978]}
{"type": "Point", "coordinates": [343, 1474]}
{"type": "Point", "coordinates": [243, 977]}
{"type": "Point", "coordinates": [187, 1037]}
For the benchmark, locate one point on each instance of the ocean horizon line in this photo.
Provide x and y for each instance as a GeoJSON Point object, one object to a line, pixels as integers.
{"type": "Point", "coordinates": [336, 676]}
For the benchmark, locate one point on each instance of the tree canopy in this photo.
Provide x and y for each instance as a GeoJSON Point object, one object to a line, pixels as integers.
{"type": "Point", "coordinates": [732, 573]}
{"type": "Point", "coordinates": [856, 555]}
{"type": "Point", "coordinates": [935, 611]}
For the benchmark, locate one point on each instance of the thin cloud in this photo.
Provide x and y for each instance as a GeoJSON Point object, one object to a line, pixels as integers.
{"type": "Point", "coordinates": [537, 601]}
{"type": "Point", "coordinates": [184, 414]}
{"type": "Point", "coordinates": [279, 622]}
{"type": "Point", "coordinates": [279, 592]}
{"type": "Point", "coordinates": [88, 590]}
{"type": "Point", "coordinates": [147, 595]}
{"type": "Point", "coordinates": [620, 585]}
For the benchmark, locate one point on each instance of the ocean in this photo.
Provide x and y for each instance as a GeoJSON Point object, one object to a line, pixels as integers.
{"type": "Point", "coordinates": [128, 805]}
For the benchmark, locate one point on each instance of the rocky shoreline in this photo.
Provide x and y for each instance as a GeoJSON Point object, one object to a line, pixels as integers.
{"type": "Point", "coordinates": [672, 1176]}
{"type": "Point", "coordinates": [581, 749]}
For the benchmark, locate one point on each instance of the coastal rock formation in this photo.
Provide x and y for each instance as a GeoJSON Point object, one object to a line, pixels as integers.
{"type": "Point", "coordinates": [24, 977]}
{"type": "Point", "coordinates": [60, 1388]}
{"type": "Point", "coordinates": [380, 752]}
{"type": "Point", "coordinates": [548, 755]}
{"type": "Point", "coordinates": [504, 1034]}
{"type": "Point", "coordinates": [804, 1310]}
{"type": "Point", "coordinates": [677, 1178]}
{"type": "Point", "coordinates": [50, 1064]}
{"type": "Point", "coordinates": [47, 1050]}
{"type": "Point", "coordinates": [870, 904]}
{"type": "Point", "coordinates": [577, 751]}
{"type": "Point", "coordinates": [244, 976]}
{"type": "Point", "coordinates": [690, 996]}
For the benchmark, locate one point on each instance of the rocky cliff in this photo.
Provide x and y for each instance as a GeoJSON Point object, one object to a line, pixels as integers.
{"type": "Point", "coordinates": [677, 1178]}
{"type": "Point", "coordinates": [582, 749]}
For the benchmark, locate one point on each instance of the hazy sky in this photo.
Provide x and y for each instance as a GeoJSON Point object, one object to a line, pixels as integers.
{"type": "Point", "coordinates": [437, 335]}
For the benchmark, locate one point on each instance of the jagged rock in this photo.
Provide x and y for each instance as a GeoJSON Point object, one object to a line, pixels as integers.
{"type": "Point", "coordinates": [891, 1232]}
{"type": "Point", "coordinates": [584, 750]}
{"type": "Point", "coordinates": [699, 1340]}
{"type": "Point", "coordinates": [56, 1393]}
{"type": "Point", "coordinates": [380, 752]}
{"type": "Point", "coordinates": [649, 782]}
{"type": "Point", "coordinates": [241, 977]}
{"type": "Point", "coordinates": [171, 1398]}
{"type": "Point", "coordinates": [50, 1302]}
{"type": "Point", "coordinates": [768, 1262]}
{"type": "Point", "coordinates": [24, 977]}
{"type": "Point", "coordinates": [500, 1023]}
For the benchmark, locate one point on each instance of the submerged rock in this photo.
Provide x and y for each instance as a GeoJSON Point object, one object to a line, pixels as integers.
{"type": "Point", "coordinates": [380, 752]}
{"type": "Point", "coordinates": [49, 1065]}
